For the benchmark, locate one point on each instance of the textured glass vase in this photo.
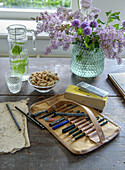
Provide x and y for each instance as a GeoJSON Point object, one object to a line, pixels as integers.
{"type": "Point", "coordinates": [86, 63]}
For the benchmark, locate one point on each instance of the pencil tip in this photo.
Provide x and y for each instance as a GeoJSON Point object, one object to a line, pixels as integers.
{"type": "Point", "coordinates": [66, 135]}
{"type": "Point", "coordinates": [72, 140]}
{"type": "Point", "coordinates": [70, 137]}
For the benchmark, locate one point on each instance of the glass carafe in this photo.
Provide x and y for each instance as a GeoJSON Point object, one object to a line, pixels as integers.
{"type": "Point", "coordinates": [18, 52]}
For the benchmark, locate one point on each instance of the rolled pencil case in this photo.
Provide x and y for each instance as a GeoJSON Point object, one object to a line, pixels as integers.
{"type": "Point", "coordinates": [92, 138]}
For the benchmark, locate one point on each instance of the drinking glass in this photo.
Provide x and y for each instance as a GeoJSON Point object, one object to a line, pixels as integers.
{"type": "Point", "coordinates": [14, 81]}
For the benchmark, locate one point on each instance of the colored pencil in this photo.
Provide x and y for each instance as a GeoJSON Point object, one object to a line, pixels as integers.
{"type": "Point", "coordinates": [71, 114]}
{"type": "Point", "coordinates": [85, 128]}
{"type": "Point", "coordinates": [30, 118]}
{"type": "Point", "coordinates": [44, 111]}
{"type": "Point", "coordinates": [50, 113]}
{"type": "Point", "coordinates": [85, 121]}
{"type": "Point", "coordinates": [13, 117]}
{"type": "Point", "coordinates": [83, 134]}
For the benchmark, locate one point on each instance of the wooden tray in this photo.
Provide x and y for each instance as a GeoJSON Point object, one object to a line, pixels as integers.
{"type": "Point", "coordinates": [85, 144]}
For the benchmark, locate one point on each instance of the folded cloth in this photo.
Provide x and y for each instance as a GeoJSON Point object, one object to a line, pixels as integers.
{"type": "Point", "coordinates": [11, 139]}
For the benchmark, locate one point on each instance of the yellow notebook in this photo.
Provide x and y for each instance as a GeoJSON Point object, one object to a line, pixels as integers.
{"type": "Point", "coordinates": [83, 97]}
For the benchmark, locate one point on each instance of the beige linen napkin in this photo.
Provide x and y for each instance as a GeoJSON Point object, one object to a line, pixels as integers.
{"type": "Point", "coordinates": [11, 139]}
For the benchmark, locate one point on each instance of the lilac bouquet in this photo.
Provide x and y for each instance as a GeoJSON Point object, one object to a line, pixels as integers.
{"type": "Point", "coordinates": [66, 27]}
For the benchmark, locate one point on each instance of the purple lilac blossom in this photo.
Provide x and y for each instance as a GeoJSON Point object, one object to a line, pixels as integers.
{"type": "Point", "coordinates": [47, 51]}
{"type": "Point", "coordinates": [91, 16]}
{"type": "Point", "coordinates": [112, 42]}
{"type": "Point", "coordinates": [66, 46]}
{"type": "Point", "coordinates": [80, 38]}
{"type": "Point", "coordinates": [94, 24]}
{"type": "Point", "coordinates": [123, 23]}
{"type": "Point", "coordinates": [84, 24]}
{"type": "Point", "coordinates": [95, 10]}
{"type": "Point", "coordinates": [86, 4]}
{"type": "Point", "coordinates": [59, 28]}
{"type": "Point", "coordinates": [87, 31]}
{"type": "Point", "coordinates": [76, 23]}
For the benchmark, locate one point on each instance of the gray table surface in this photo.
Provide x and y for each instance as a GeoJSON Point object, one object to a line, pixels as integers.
{"type": "Point", "coordinates": [46, 152]}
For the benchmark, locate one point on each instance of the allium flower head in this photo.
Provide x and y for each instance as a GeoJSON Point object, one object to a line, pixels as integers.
{"type": "Point", "coordinates": [87, 31]}
{"type": "Point", "coordinates": [84, 24]}
{"type": "Point", "coordinates": [76, 23]}
{"type": "Point", "coordinates": [94, 24]}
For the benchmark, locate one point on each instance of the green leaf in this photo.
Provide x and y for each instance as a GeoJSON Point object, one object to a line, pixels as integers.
{"type": "Point", "coordinates": [110, 20]}
{"type": "Point", "coordinates": [92, 45]}
{"type": "Point", "coordinates": [86, 45]}
{"type": "Point", "coordinates": [19, 65]}
{"type": "Point", "coordinates": [112, 16]}
{"type": "Point", "coordinates": [86, 39]}
{"type": "Point", "coordinates": [108, 13]}
{"type": "Point", "coordinates": [80, 31]}
{"type": "Point", "coordinates": [17, 49]}
{"type": "Point", "coordinates": [68, 26]}
{"type": "Point", "coordinates": [116, 26]}
{"type": "Point", "coordinates": [115, 17]}
{"type": "Point", "coordinates": [99, 21]}
{"type": "Point", "coordinates": [115, 13]}
{"type": "Point", "coordinates": [79, 57]}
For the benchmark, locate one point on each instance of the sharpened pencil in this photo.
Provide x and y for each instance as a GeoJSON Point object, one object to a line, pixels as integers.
{"type": "Point", "coordinates": [71, 114]}
{"type": "Point", "coordinates": [83, 134]}
{"type": "Point", "coordinates": [13, 117]}
{"type": "Point", "coordinates": [85, 128]}
{"type": "Point", "coordinates": [30, 118]}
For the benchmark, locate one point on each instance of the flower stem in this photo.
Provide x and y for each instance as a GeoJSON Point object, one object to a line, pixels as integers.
{"type": "Point", "coordinates": [78, 4]}
{"type": "Point", "coordinates": [15, 34]}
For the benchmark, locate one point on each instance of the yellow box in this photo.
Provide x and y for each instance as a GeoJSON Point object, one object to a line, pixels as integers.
{"type": "Point", "coordinates": [76, 94]}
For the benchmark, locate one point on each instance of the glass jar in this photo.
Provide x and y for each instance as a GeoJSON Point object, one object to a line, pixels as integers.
{"type": "Point", "coordinates": [18, 52]}
{"type": "Point", "coordinates": [86, 63]}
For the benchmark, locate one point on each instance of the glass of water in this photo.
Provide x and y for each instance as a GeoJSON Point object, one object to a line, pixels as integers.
{"type": "Point", "coordinates": [14, 81]}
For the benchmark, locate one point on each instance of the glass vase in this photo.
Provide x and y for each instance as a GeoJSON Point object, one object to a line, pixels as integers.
{"type": "Point", "coordinates": [86, 63]}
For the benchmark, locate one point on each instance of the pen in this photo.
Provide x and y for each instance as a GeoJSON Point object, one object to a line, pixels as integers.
{"type": "Point", "coordinates": [60, 124]}
{"type": "Point", "coordinates": [64, 122]}
{"type": "Point", "coordinates": [61, 119]}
